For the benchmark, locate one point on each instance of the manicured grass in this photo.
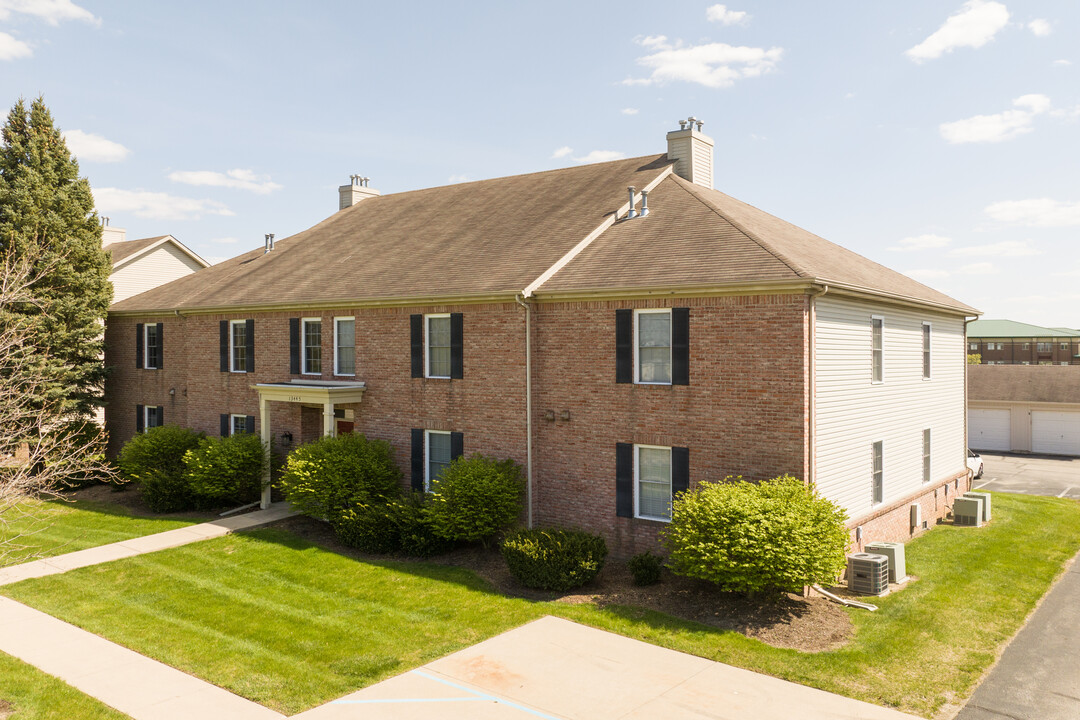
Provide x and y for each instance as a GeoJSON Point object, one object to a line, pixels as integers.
{"type": "Point", "coordinates": [291, 625]}
{"type": "Point", "coordinates": [57, 527]}
{"type": "Point", "coordinates": [32, 695]}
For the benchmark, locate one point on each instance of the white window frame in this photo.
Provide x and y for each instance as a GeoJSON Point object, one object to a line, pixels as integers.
{"type": "Point", "coordinates": [232, 423]}
{"type": "Point", "coordinates": [232, 346]}
{"type": "Point", "coordinates": [927, 350]}
{"type": "Point", "coordinates": [146, 415]}
{"type": "Point", "coordinates": [304, 346]}
{"type": "Point", "coordinates": [637, 480]}
{"type": "Point", "coordinates": [146, 346]}
{"type": "Point", "coordinates": [927, 451]}
{"type": "Point", "coordinates": [1063, 346]}
{"type": "Point", "coordinates": [1044, 347]}
{"type": "Point", "coordinates": [875, 446]}
{"type": "Point", "coordinates": [337, 346]}
{"type": "Point", "coordinates": [427, 346]}
{"type": "Point", "coordinates": [873, 358]}
{"type": "Point", "coordinates": [637, 345]}
{"type": "Point", "coordinates": [973, 347]}
{"type": "Point", "coordinates": [427, 455]}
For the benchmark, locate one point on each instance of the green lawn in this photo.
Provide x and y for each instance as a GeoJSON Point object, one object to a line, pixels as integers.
{"type": "Point", "coordinates": [57, 527]}
{"type": "Point", "coordinates": [32, 695]}
{"type": "Point", "coordinates": [291, 625]}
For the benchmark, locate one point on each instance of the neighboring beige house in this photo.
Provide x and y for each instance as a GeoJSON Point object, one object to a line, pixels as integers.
{"type": "Point", "coordinates": [1017, 408]}
{"type": "Point", "coordinates": [141, 265]}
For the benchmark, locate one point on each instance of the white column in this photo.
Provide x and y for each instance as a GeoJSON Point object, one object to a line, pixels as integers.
{"type": "Point", "coordinates": [329, 426]}
{"type": "Point", "coordinates": [264, 433]}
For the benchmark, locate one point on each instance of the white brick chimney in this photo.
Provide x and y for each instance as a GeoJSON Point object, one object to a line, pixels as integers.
{"type": "Point", "coordinates": [355, 191]}
{"type": "Point", "coordinates": [110, 235]}
{"type": "Point", "coordinates": [692, 151]}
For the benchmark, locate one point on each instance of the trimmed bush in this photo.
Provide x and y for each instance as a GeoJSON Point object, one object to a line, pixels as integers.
{"type": "Point", "coordinates": [226, 470]}
{"type": "Point", "coordinates": [155, 460]}
{"type": "Point", "coordinates": [775, 536]}
{"type": "Point", "coordinates": [399, 525]}
{"type": "Point", "coordinates": [476, 498]}
{"type": "Point", "coordinates": [330, 474]}
{"type": "Point", "coordinates": [646, 568]}
{"type": "Point", "coordinates": [554, 559]}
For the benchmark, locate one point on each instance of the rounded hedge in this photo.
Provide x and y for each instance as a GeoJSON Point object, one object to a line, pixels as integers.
{"type": "Point", "coordinates": [155, 460]}
{"type": "Point", "coordinates": [646, 568]}
{"type": "Point", "coordinates": [553, 559]}
{"type": "Point", "coordinates": [323, 477]}
{"type": "Point", "coordinates": [476, 498]}
{"type": "Point", "coordinates": [228, 469]}
{"type": "Point", "coordinates": [395, 526]}
{"type": "Point", "coordinates": [774, 536]}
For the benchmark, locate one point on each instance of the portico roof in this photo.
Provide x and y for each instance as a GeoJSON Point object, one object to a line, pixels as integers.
{"type": "Point", "coordinates": [321, 392]}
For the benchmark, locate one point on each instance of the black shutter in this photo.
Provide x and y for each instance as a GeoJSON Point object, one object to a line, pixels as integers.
{"type": "Point", "coordinates": [457, 360]}
{"type": "Point", "coordinates": [160, 415]}
{"type": "Point", "coordinates": [624, 346]}
{"type": "Point", "coordinates": [249, 424]}
{"type": "Point", "coordinates": [160, 345]}
{"type": "Point", "coordinates": [249, 333]}
{"type": "Point", "coordinates": [294, 346]}
{"type": "Point", "coordinates": [223, 345]}
{"type": "Point", "coordinates": [225, 426]}
{"type": "Point", "coordinates": [624, 479]}
{"type": "Point", "coordinates": [139, 419]}
{"type": "Point", "coordinates": [139, 336]}
{"type": "Point", "coordinates": [418, 460]}
{"type": "Point", "coordinates": [680, 346]}
{"type": "Point", "coordinates": [416, 340]}
{"type": "Point", "coordinates": [457, 445]}
{"type": "Point", "coordinates": [680, 470]}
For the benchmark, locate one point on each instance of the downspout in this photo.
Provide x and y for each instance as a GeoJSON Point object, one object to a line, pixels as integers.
{"type": "Point", "coordinates": [812, 465]}
{"type": "Point", "coordinates": [528, 413]}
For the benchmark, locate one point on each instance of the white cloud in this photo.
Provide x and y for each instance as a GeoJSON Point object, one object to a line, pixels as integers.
{"type": "Point", "coordinates": [225, 241]}
{"type": "Point", "coordinates": [238, 179]}
{"type": "Point", "coordinates": [13, 49]}
{"type": "Point", "coordinates": [927, 274]}
{"type": "Point", "coordinates": [458, 178]}
{"type": "Point", "coordinates": [720, 14]}
{"type": "Point", "coordinates": [597, 156]}
{"type": "Point", "coordinates": [156, 206]}
{"type": "Point", "coordinates": [997, 128]}
{"type": "Point", "coordinates": [713, 65]}
{"type": "Point", "coordinates": [983, 268]}
{"type": "Point", "coordinates": [1063, 62]}
{"type": "Point", "coordinates": [1036, 212]}
{"type": "Point", "coordinates": [921, 242]}
{"type": "Point", "coordinates": [94, 148]}
{"type": "Point", "coordinates": [973, 26]}
{"type": "Point", "coordinates": [562, 152]}
{"type": "Point", "coordinates": [51, 11]}
{"type": "Point", "coordinates": [1005, 248]}
{"type": "Point", "coordinates": [1039, 27]}
{"type": "Point", "coordinates": [629, 111]}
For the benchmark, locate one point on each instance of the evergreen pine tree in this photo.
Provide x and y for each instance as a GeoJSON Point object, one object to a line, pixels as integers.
{"type": "Point", "coordinates": [47, 217]}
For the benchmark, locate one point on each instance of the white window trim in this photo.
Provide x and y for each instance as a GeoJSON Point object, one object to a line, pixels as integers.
{"type": "Point", "coordinates": [974, 347]}
{"type": "Point", "coordinates": [146, 415]}
{"type": "Point", "coordinates": [427, 455]}
{"type": "Point", "coordinates": [304, 346]}
{"type": "Point", "coordinates": [927, 350]}
{"type": "Point", "coordinates": [232, 423]}
{"type": "Point", "coordinates": [427, 360]}
{"type": "Point", "coordinates": [873, 502]}
{"type": "Point", "coordinates": [872, 319]}
{"type": "Point", "coordinates": [637, 479]}
{"type": "Point", "coordinates": [637, 344]}
{"type": "Point", "coordinates": [927, 457]}
{"type": "Point", "coordinates": [146, 346]}
{"type": "Point", "coordinates": [232, 345]}
{"type": "Point", "coordinates": [337, 369]}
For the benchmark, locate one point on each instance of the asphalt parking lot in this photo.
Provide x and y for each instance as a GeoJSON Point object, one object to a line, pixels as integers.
{"type": "Point", "coordinates": [1031, 474]}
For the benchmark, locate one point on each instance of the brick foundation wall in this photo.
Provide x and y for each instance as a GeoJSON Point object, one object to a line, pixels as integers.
{"type": "Point", "coordinates": [893, 523]}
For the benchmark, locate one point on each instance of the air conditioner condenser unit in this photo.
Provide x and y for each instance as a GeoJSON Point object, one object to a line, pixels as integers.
{"type": "Point", "coordinates": [967, 511]}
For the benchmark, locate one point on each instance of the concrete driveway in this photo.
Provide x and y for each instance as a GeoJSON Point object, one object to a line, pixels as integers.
{"type": "Point", "coordinates": [1031, 475]}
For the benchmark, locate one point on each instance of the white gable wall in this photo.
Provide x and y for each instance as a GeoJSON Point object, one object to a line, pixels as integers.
{"type": "Point", "coordinates": [852, 412]}
{"type": "Point", "coordinates": [163, 264]}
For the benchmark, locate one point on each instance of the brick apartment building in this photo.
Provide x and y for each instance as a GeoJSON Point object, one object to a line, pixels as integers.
{"type": "Point", "coordinates": [1006, 342]}
{"type": "Point", "coordinates": [620, 346]}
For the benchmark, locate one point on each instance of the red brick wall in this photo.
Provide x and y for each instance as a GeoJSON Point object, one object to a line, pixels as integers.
{"type": "Point", "coordinates": [893, 523]}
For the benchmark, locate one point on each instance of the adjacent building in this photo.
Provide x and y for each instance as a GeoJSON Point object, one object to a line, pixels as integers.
{"type": "Point", "coordinates": [623, 330]}
{"type": "Point", "coordinates": [1007, 342]}
{"type": "Point", "coordinates": [1024, 409]}
{"type": "Point", "coordinates": [139, 265]}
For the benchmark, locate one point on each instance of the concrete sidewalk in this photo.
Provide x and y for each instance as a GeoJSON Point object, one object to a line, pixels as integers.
{"type": "Point", "coordinates": [144, 544]}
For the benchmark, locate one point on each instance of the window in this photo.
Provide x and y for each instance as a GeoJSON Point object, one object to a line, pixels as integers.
{"type": "Point", "coordinates": [879, 473]}
{"type": "Point", "coordinates": [438, 346]}
{"type": "Point", "coordinates": [152, 356]}
{"type": "Point", "coordinates": [926, 455]}
{"type": "Point", "coordinates": [926, 351]}
{"type": "Point", "coordinates": [154, 416]}
{"type": "Point", "coordinates": [1064, 346]}
{"type": "Point", "coordinates": [344, 346]}
{"type": "Point", "coordinates": [238, 339]}
{"type": "Point", "coordinates": [438, 456]}
{"type": "Point", "coordinates": [1026, 346]}
{"type": "Point", "coordinates": [877, 352]}
{"type": "Point", "coordinates": [996, 346]}
{"type": "Point", "coordinates": [652, 344]}
{"type": "Point", "coordinates": [237, 424]}
{"type": "Point", "coordinates": [973, 347]}
{"type": "Point", "coordinates": [652, 482]}
{"type": "Point", "coordinates": [1044, 347]}
{"type": "Point", "coordinates": [312, 349]}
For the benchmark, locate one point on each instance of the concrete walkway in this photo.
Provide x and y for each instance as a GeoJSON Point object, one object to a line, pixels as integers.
{"type": "Point", "coordinates": [144, 544]}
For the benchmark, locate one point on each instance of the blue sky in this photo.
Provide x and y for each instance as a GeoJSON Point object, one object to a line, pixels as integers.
{"type": "Point", "coordinates": [938, 138]}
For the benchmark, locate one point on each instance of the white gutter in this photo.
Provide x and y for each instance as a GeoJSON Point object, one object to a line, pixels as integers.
{"type": "Point", "coordinates": [528, 413]}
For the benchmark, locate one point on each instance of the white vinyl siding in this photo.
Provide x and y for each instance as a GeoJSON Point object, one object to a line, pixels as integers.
{"type": "Point", "coordinates": [163, 264]}
{"type": "Point", "coordinates": [852, 412]}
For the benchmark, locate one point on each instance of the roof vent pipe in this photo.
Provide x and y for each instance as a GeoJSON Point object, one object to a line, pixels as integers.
{"type": "Point", "coordinates": [633, 213]}
{"type": "Point", "coordinates": [269, 243]}
{"type": "Point", "coordinates": [644, 203]}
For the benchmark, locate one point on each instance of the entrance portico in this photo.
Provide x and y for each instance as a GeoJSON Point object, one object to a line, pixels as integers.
{"type": "Point", "coordinates": [309, 392]}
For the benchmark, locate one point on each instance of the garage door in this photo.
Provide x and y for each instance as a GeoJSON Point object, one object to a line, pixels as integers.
{"type": "Point", "coordinates": [1057, 433]}
{"type": "Point", "coordinates": [989, 430]}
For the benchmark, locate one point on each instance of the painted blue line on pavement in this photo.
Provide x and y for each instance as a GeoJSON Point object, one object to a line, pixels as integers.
{"type": "Point", "coordinates": [485, 696]}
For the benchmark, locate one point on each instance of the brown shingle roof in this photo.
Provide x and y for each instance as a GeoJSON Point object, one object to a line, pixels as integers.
{"type": "Point", "coordinates": [121, 251]}
{"type": "Point", "coordinates": [1024, 383]}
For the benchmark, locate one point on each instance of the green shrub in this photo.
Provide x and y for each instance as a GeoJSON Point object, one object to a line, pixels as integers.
{"type": "Point", "coordinates": [226, 470]}
{"type": "Point", "coordinates": [325, 476]}
{"type": "Point", "coordinates": [646, 568]}
{"type": "Point", "coordinates": [554, 559]}
{"type": "Point", "coordinates": [398, 525]}
{"type": "Point", "coordinates": [155, 460]}
{"type": "Point", "coordinates": [773, 536]}
{"type": "Point", "coordinates": [476, 498]}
